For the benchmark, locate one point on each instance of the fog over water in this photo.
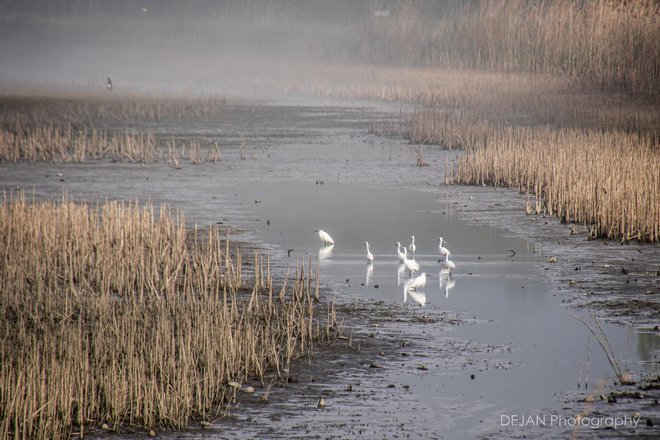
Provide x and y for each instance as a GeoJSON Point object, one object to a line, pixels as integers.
{"type": "Point", "coordinates": [196, 45]}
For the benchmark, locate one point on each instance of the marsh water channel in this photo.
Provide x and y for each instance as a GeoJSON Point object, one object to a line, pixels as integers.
{"type": "Point", "coordinates": [455, 359]}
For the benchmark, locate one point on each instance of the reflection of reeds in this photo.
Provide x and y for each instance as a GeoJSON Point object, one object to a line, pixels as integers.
{"type": "Point", "coordinates": [117, 314]}
{"type": "Point", "coordinates": [242, 148]}
{"type": "Point", "coordinates": [624, 377]}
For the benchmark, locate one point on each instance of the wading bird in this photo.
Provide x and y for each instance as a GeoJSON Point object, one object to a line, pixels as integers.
{"type": "Point", "coordinates": [398, 251]}
{"type": "Point", "coordinates": [417, 295]}
{"type": "Point", "coordinates": [443, 250]}
{"type": "Point", "coordinates": [447, 264]}
{"type": "Point", "coordinates": [370, 256]}
{"type": "Point", "coordinates": [417, 282]}
{"type": "Point", "coordinates": [411, 265]}
{"type": "Point", "coordinates": [108, 83]}
{"type": "Point", "coordinates": [325, 237]}
{"type": "Point", "coordinates": [411, 247]}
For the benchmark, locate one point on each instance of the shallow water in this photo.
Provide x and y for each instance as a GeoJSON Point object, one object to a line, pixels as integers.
{"type": "Point", "coordinates": [498, 318]}
{"type": "Point", "coordinates": [537, 346]}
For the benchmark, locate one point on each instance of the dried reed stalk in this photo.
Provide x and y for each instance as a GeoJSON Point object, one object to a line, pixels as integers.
{"type": "Point", "coordinates": [608, 180]}
{"type": "Point", "coordinates": [117, 314]}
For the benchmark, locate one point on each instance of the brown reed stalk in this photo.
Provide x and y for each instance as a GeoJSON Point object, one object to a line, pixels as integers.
{"type": "Point", "coordinates": [49, 142]}
{"type": "Point", "coordinates": [608, 180]}
{"type": "Point", "coordinates": [608, 42]}
{"type": "Point", "coordinates": [118, 314]}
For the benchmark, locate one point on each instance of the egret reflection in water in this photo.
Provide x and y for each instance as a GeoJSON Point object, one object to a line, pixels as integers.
{"type": "Point", "coordinates": [325, 253]}
{"type": "Point", "coordinates": [370, 274]}
{"type": "Point", "coordinates": [446, 282]}
{"type": "Point", "coordinates": [399, 271]}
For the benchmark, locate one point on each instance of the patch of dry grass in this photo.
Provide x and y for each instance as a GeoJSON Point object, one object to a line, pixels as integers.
{"type": "Point", "coordinates": [603, 41]}
{"type": "Point", "coordinates": [51, 143]}
{"type": "Point", "coordinates": [86, 126]}
{"type": "Point", "coordinates": [117, 314]}
{"type": "Point", "coordinates": [606, 179]}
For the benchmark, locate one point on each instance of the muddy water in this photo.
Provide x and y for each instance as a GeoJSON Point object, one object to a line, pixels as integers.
{"type": "Point", "coordinates": [448, 361]}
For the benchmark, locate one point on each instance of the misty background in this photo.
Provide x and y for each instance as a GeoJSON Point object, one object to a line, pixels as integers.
{"type": "Point", "coordinates": [194, 43]}
{"type": "Point", "coordinates": [234, 45]}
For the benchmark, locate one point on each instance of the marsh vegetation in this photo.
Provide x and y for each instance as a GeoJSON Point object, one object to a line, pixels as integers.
{"type": "Point", "coordinates": [119, 313]}
{"type": "Point", "coordinates": [123, 314]}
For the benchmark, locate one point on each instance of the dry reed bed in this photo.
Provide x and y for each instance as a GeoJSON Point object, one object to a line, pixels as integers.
{"type": "Point", "coordinates": [51, 143]}
{"type": "Point", "coordinates": [604, 41]}
{"type": "Point", "coordinates": [117, 314]}
{"type": "Point", "coordinates": [485, 95]}
{"type": "Point", "coordinates": [606, 179]}
{"type": "Point", "coordinates": [87, 108]}
{"type": "Point", "coordinates": [85, 127]}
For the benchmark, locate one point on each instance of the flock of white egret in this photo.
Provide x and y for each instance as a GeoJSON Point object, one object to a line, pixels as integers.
{"type": "Point", "coordinates": [408, 264]}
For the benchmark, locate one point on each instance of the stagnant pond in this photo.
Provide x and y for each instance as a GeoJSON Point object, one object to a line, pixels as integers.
{"type": "Point", "coordinates": [455, 359]}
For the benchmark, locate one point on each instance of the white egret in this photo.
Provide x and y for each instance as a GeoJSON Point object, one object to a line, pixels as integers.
{"type": "Point", "coordinates": [325, 237]}
{"type": "Point", "coordinates": [443, 250]}
{"type": "Point", "coordinates": [411, 247]}
{"type": "Point", "coordinates": [398, 251]}
{"type": "Point", "coordinates": [411, 265]}
{"type": "Point", "coordinates": [417, 282]}
{"type": "Point", "coordinates": [448, 264]}
{"type": "Point", "coordinates": [370, 256]}
{"type": "Point", "coordinates": [417, 295]}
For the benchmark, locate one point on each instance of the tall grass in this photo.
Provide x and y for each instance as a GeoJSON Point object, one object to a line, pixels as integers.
{"type": "Point", "coordinates": [604, 41]}
{"type": "Point", "coordinates": [117, 313]}
{"type": "Point", "coordinates": [606, 179]}
{"type": "Point", "coordinates": [82, 127]}
{"type": "Point", "coordinates": [51, 143]}
{"type": "Point", "coordinates": [83, 108]}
